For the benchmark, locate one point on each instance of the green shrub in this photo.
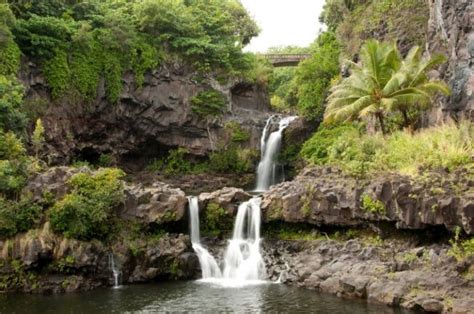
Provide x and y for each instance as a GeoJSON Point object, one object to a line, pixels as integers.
{"type": "Point", "coordinates": [314, 75]}
{"type": "Point", "coordinates": [208, 103]}
{"type": "Point", "coordinates": [86, 211]}
{"type": "Point", "coordinates": [176, 163]}
{"type": "Point", "coordinates": [317, 149]}
{"type": "Point", "coordinates": [372, 206]}
{"type": "Point", "coordinates": [14, 165]}
{"type": "Point", "coordinates": [12, 117]}
{"type": "Point", "coordinates": [18, 216]}
{"type": "Point", "coordinates": [216, 220]}
{"type": "Point", "coordinates": [232, 160]}
{"type": "Point", "coordinates": [237, 134]}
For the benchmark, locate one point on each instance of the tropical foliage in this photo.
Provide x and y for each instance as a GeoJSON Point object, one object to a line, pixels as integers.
{"type": "Point", "coordinates": [304, 89]}
{"type": "Point", "coordinates": [383, 83]}
{"type": "Point", "coordinates": [445, 147]}
{"type": "Point", "coordinates": [79, 42]}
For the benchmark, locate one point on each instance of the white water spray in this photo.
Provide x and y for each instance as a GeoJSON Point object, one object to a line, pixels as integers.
{"type": "Point", "coordinates": [115, 271]}
{"type": "Point", "coordinates": [243, 263]}
{"type": "Point", "coordinates": [267, 168]}
{"type": "Point", "coordinates": [209, 266]}
{"type": "Point", "coordinates": [243, 260]}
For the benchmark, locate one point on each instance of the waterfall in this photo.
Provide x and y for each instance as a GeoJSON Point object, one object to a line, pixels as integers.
{"type": "Point", "coordinates": [115, 271]}
{"type": "Point", "coordinates": [267, 168]}
{"type": "Point", "coordinates": [209, 266]}
{"type": "Point", "coordinates": [243, 263]}
{"type": "Point", "coordinates": [243, 260]}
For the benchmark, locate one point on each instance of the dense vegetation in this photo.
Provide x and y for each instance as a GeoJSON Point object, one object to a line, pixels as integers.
{"type": "Point", "coordinates": [305, 88]}
{"type": "Point", "coordinates": [87, 211]}
{"type": "Point", "coordinates": [445, 147]}
{"type": "Point", "coordinates": [79, 42]}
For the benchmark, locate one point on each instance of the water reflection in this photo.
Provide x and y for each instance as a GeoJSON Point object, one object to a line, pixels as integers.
{"type": "Point", "coordinates": [188, 297]}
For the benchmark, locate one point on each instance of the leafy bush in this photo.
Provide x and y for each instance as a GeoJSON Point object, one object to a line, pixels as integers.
{"type": "Point", "coordinates": [208, 103]}
{"type": "Point", "coordinates": [318, 148]}
{"type": "Point", "coordinates": [232, 160]}
{"type": "Point", "coordinates": [9, 56]}
{"type": "Point", "coordinates": [14, 165]}
{"type": "Point", "coordinates": [12, 118]}
{"type": "Point", "coordinates": [41, 36]}
{"type": "Point", "coordinates": [18, 216]}
{"type": "Point", "coordinates": [86, 211]}
{"type": "Point", "coordinates": [176, 163]}
{"type": "Point", "coordinates": [216, 220]}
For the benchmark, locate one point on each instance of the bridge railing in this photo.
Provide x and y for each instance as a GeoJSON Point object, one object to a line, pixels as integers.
{"type": "Point", "coordinates": [292, 56]}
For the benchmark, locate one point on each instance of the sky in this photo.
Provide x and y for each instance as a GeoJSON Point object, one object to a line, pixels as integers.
{"type": "Point", "coordinates": [284, 22]}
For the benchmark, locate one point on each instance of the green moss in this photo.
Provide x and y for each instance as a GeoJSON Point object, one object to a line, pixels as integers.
{"type": "Point", "coordinates": [372, 206]}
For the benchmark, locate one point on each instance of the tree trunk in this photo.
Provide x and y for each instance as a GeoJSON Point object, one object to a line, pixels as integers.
{"type": "Point", "coordinates": [381, 121]}
{"type": "Point", "coordinates": [406, 120]}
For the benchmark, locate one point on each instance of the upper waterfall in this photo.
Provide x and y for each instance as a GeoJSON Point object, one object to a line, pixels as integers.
{"type": "Point", "coordinates": [270, 147]}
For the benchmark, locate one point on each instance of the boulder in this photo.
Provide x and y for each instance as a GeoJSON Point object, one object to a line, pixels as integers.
{"type": "Point", "coordinates": [158, 203]}
{"type": "Point", "coordinates": [228, 198]}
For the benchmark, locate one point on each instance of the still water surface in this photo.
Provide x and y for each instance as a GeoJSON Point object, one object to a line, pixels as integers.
{"type": "Point", "coordinates": [190, 296]}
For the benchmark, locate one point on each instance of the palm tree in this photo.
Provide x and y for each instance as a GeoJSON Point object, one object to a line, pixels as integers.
{"type": "Point", "coordinates": [383, 83]}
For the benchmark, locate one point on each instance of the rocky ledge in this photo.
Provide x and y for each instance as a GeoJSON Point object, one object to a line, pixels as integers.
{"type": "Point", "coordinates": [393, 272]}
{"type": "Point", "coordinates": [41, 261]}
{"type": "Point", "coordinates": [326, 196]}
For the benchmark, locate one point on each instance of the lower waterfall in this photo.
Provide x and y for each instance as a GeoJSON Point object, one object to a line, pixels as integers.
{"type": "Point", "coordinates": [209, 266]}
{"type": "Point", "coordinates": [243, 263]}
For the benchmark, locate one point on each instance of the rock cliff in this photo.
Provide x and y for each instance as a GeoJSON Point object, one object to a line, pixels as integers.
{"type": "Point", "coordinates": [145, 122]}
{"type": "Point", "coordinates": [451, 32]}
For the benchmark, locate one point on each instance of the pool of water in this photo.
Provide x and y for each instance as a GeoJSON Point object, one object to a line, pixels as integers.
{"type": "Point", "coordinates": [191, 296]}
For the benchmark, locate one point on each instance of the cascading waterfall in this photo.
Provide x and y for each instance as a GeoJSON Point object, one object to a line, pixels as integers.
{"type": "Point", "coordinates": [115, 271]}
{"type": "Point", "coordinates": [209, 266]}
{"type": "Point", "coordinates": [267, 168]}
{"type": "Point", "coordinates": [243, 263]}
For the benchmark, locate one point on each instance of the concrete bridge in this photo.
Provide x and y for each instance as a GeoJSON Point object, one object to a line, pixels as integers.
{"type": "Point", "coordinates": [286, 60]}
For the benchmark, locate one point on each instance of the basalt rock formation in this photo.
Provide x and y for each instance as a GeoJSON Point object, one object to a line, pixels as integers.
{"type": "Point", "coordinates": [325, 196]}
{"type": "Point", "coordinates": [147, 121]}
